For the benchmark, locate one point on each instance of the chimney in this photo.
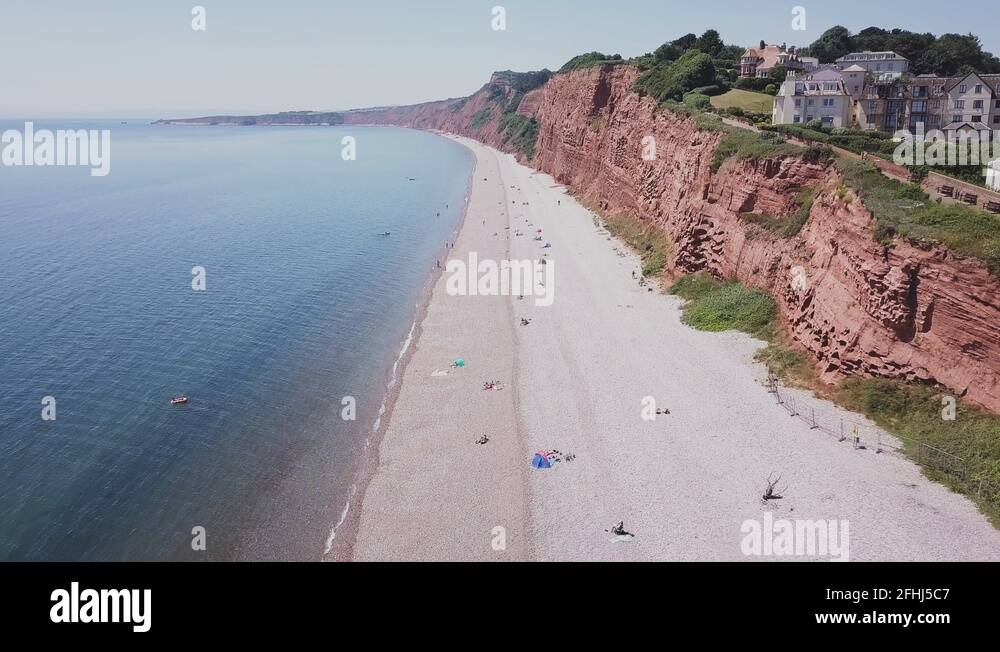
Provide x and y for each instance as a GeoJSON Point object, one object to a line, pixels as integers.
{"type": "Point", "coordinates": [784, 46]}
{"type": "Point", "coordinates": [763, 45]}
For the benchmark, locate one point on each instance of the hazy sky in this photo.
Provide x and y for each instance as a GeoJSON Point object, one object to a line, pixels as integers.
{"type": "Point", "coordinates": [142, 58]}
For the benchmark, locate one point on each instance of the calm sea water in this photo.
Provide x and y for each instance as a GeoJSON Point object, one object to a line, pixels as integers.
{"type": "Point", "coordinates": [305, 304]}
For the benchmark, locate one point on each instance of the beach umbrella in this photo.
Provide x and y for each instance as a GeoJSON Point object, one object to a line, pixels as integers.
{"type": "Point", "coordinates": [541, 461]}
{"type": "Point", "coordinates": [460, 362]}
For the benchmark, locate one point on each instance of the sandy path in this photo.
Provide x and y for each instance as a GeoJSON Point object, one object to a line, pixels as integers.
{"type": "Point", "coordinates": [683, 484]}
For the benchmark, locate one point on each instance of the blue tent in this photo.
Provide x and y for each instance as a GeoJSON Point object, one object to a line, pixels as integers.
{"type": "Point", "coordinates": [541, 461]}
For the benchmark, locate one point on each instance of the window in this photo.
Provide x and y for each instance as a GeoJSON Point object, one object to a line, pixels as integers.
{"type": "Point", "coordinates": [797, 119]}
{"type": "Point", "coordinates": [811, 102]}
{"type": "Point", "coordinates": [809, 118]}
{"type": "Point", "coordinates": [979, 88]}
{"type": "Point", "coordinates": [872, 106]}
{"type": "Point", "coordinates": [964, 88]}
{"type": "Point", "coordinates": [957, 117]}
{"type": "Point", "coordinates": [996, 119]}
{"type": "Point", "coordinates": [798, 102]}
{"type": "Point", "coordinates": [828, 102]}
{"type": "Point", "coordinates": [998, 104]}
{"type": "Point", "coordinates": [978, 104]}
{"type": "Point", "coordinates": [977, 118]}
{"type": "Point", "coordinates": [959, 104]}
{"type": "Point", "coordinates": [857, 88]}
{"type": "Point", "coordinates": [919, 106]}
{"type": "Point", "coordinates": [828, 119]}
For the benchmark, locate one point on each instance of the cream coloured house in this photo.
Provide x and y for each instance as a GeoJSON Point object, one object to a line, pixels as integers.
{"type": "Point", "coordinates": [821, 95]}
{"type": "Point", "coordinates": [970, 103]}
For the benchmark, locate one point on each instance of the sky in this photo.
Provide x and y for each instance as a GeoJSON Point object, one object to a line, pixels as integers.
{"type": "Point", "coordinates": [141, 58]}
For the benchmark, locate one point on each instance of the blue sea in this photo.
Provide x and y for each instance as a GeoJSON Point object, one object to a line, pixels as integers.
{"type": "Point", "coordinates": [306, 302]}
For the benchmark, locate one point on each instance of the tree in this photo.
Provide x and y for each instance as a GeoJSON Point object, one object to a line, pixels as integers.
{"type": "Point", "coordinates": [950, 52]}
{"type": "Point", "coordinates": [710, 43]}
{"type": "Point", "coordinates": [692, 70]}
{"type": "Point", "coordinates": [832, 44]}
{"type": "Point", "coordinates": [778, 74]}
{"type": "Point", "coordinates": [875, 39]}
{"type": "Point", "coordinates": [673, 50]}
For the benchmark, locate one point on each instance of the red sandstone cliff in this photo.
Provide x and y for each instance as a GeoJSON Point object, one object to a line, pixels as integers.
{"type": "Point", "coordinates": [908, 310]}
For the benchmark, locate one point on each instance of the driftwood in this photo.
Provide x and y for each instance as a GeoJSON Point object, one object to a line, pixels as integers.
{"type": "Point", "coordinates": [772, 492]}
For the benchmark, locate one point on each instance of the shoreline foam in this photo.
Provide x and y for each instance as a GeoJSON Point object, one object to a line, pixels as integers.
{"type": "Point", "coordinates": [339, 544]}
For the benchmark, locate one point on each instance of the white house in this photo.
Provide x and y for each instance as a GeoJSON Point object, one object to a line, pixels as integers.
{"type": "Point", "coordinates": [821, 95]}
{"type": "Point", "coordinates": [879, 64]}
{"type": "Point", "coordinates": [970, 102]}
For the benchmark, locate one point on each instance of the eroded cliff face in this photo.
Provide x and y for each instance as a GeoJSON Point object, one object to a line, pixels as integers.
{"type": "Point", "coordinates": [479, 116]}
{"type": "Point", "coordinates": [907, 310]}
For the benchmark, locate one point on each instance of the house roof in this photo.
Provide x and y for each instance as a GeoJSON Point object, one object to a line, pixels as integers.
{"type": "Point", "coordinates": [823, 74]}
{"type": "Point", "coordinates": [855, 68]}
{"type": "Point", "coordinates": [978, 126]}
{"type": "Point", "coordinates": [955, 81]}
{"type": "Point", "coordinates": [868, 55]}
{"type": "Point", "coordinates": [769, 57]}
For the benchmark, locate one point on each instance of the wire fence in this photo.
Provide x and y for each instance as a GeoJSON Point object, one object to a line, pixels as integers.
{"type": "Point", "coordinates": [863, 436]}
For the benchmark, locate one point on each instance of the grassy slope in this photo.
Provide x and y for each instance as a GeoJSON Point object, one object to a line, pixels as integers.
{"type": "Point", "coordinates": [746, 100]}
{"type": "Point", "coordinates": [905, 209]}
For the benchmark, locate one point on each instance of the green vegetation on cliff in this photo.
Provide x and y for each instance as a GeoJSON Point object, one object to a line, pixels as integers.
{"type": "Point", "coordinates": [716, 306]}
{"type": "Point", "coordinates": [786, 227]}
{"type": "Point", "coordinates": [591, 60]}
{"type": "Point", "coordinates": [670, 80]}
{"type": "Point", "coordinates": [743, 144]}
{"type": "Point", "coordinates": [906, 210]}
{"type": "Point", "coordinates": [521, 132]}
{"type": "Point", "coordinates": [649, 241]}
{"type": "Point", "coordinates": [480, 118]}
{"type": "Point", "coordinates": [962, 453]}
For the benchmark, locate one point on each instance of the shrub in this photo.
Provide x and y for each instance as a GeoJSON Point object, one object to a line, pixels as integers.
{"type": "Point", "coordinates": [697, 101]}
{"type": "Point", "coordinates": [645, 238]}
{"type": "Point", "coordinates": [747, 145]}
{"type": "Point", "coordinates": [521, 132]}
{"type": "Point", "coordinates": [590, 60]}
{"type": "Point", "coordinates": [723, 306]}
{"type": "Point", "coordinates": [913, 412]}
{"type": "Point", "coordinates": [752, 84]}
{"type": "Point", "coordinates": [672, 80]}
{"type": "Point", "coordinates": [479, 120]}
